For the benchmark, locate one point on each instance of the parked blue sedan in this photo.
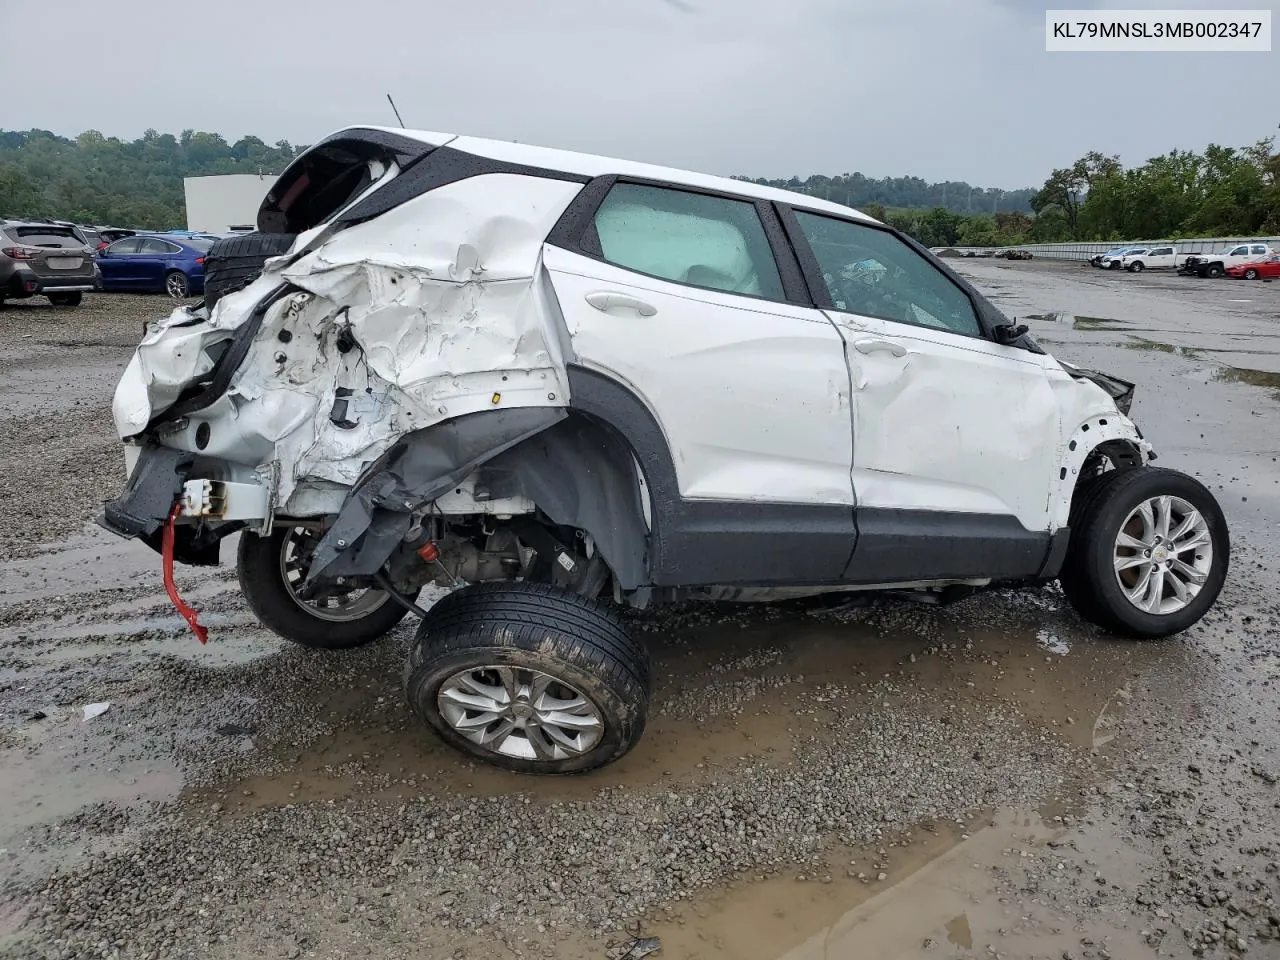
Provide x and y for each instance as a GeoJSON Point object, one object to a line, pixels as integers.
{"type": "Point", "coordinates": [155, 263]}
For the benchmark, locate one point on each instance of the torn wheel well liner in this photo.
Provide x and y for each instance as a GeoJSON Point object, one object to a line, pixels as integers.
{"type": "Point", "coordinates": [415, 471]}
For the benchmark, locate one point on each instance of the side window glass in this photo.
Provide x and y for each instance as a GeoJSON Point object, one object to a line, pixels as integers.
{"type": "Point", "coordinates": [689, 238]}
{"type": "Point", "coordinates": [129, 245]}
{"type": "Point", "coordinates": [1239, 250]}
{"type": "Point", "coordinates": [153, 246]}
{"type": "Point", "coordinates": [873, 273]}
{"type": "Point", "coordinates": [1258, 248]}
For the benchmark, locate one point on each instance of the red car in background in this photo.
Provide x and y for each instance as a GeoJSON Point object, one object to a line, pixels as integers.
{"type": "Point", "coordinates": [1268, 269]}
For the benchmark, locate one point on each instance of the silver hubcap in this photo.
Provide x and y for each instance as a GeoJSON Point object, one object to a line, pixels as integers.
{"type": "Point", "coordinates": [518, 712]}
{"type": "Point", "coordinates": [337, 603]}
{"type": "Point", "coordinates": [176, 286]}
{"type": "Point", "coordinates": [1163, 555]}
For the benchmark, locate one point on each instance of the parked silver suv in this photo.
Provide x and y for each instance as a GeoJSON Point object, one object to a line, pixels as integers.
{"type": "Point", "coordinates": [45, 259]}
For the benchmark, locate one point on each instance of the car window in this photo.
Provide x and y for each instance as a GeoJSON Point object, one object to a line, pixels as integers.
{"type": "Point", "coordinates": [128, 245]}
{"type": "Point", "coordinates": [1237, 251]}
{"type": "Point", "coordinates": [871, 272]}
{"type": "Point", "coordinates": [1258, 248]}
{"type": "Point", "coordinates": [157, 247]}
{"type": "Point", "coordinates": [199, 244]}
{"type": "Point", "coordinates": [45, 237]}
{"type": "Point", "coordinates": [688, 238]}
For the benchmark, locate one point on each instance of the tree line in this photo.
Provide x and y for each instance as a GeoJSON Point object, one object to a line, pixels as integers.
{"type": "Point", "coordinates": [1219, 192]}
{"type": "Point", "coordinates": [133, 183]}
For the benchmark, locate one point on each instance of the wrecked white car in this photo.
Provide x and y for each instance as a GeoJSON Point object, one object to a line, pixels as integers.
{"type": "Point", "coordinates": [559, 385]}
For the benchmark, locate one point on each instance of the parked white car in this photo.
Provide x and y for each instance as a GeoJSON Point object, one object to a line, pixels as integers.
{"type": "Point", "coordinates": [1156, 258]}
{"type": "Point", "coordinates": [1215, 264]}
{"type": "Point", "coordinates": [1115, 261]}
{"type": "Point", "coordinates": [559, 385]}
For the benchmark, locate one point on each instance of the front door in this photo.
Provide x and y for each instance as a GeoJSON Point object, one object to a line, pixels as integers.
{"type": "Point", "coordinates": [117, 263]}
{"type": "Point", "coordinates": [955, 436]}
{"type": "Point", "coordinates": [674, 298]}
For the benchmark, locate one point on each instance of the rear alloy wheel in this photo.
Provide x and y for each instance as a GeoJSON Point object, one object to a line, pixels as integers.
{"type": "Point", "coordinates": [1251, 274]}
{"type": "Point", "coordinates": [529, 677]}
{"type": "Point", "coordinates": [1148, 553]}
{"type": "Point", "coordinates": [176, 285]}
{"type": "Point", "coordinates": [272, 571]}
{"type": "Point", "coordinates": [66, 299]}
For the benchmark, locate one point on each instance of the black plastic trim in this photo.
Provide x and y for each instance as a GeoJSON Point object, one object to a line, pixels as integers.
{"type": "Point", "coordinates": [716, 542]}
{"type": "Point", "coordinates": [1057, 554]}
{"type": "Point", "coordinates": [441, 167]}
{"type": "Point", "coordinates": [904, 545]}
{"type": "Point", "coordinates": [576, 232]}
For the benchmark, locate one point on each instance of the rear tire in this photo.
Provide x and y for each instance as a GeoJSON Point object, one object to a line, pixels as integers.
{"type": "Point", "coordinates": [1251, 274]}
{"type": "Point", "coordinates": [233, 263]}
{"type": "Point", "coordinates": [264, 566]}
{"type": "Point", "coordinates": [66, 299]}
{"type": "Point", "coordinates": [177, 285]}
{"type": "Point", "coordinates": [530, 677]}
{"type": "Point", "coordinates": [1136, 267]}
{"type": "Point", "coordinates": [1125, 573]}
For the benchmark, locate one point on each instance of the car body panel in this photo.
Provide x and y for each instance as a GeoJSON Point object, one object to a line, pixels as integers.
{"type": "Point", "coordinates": [445, 317]}
{"type": "Point", "coordinates": [710, 365]}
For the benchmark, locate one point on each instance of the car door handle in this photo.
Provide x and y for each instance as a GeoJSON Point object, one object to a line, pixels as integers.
{"type": "Point", "coordinates": [605, 301]}
{"type": "Point", "coordinates": [880, 346]}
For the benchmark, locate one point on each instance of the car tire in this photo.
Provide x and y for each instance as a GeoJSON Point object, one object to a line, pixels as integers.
{"type": "Point", "coordinates": [1108, 577]}
{"type": "Point", "coordinates": [233, 263]}
{"type": "Point", "coordinates": [176, 285]}
{"type": "Point", "coordinates": [66, 299]}
{"type": "Point", "coordinates": [511, 645]}
{"type": "Point", "coordinates": [1114, 265]}
{"type": "Point", "coordinates": [268, 566]}
{"type": "Point", "coordinates": [1251, 274]}
{"type": "Point", "coordinates": [1137, 266]}
{"type": "Point", "coordinates": [1214, 270]}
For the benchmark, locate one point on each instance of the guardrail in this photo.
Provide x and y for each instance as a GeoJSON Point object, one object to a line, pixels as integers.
{"type": "Point", "coordinates": [1083, 251]}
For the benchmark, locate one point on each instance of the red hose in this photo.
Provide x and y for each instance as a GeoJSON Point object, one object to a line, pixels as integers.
{"type": "Point", "coordinates": [171, 588]}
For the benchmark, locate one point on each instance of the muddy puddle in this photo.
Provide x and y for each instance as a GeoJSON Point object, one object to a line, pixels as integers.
{"type": "Point", "coordinates": [728, 696]}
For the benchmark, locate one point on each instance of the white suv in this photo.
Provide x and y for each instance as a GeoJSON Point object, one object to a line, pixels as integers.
{"type": "Point", "coordinates": [560, 384]}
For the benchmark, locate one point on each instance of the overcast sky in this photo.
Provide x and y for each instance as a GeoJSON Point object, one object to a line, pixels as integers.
{"type": "Point", "coordinates": [941, 89]}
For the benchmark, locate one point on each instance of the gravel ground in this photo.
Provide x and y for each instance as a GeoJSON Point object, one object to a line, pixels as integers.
{"type": "Point", "coordinates": [1065, 794]}
{"type": "Point", "coordinates": [56, 435]}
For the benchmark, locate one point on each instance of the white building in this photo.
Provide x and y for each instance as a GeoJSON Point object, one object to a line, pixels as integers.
{"type": "Point", "coordinates": [223, 204]}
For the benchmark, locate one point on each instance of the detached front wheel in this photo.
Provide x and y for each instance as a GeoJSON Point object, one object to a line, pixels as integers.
{"type": "Point", "coordinates": [1149, 552]}
{"type": "Point", "coordinates": [529, 677]}
{"type": "Point", "coordinates": [272, 571]}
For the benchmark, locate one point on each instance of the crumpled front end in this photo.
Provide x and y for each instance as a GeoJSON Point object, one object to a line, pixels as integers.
{"type": "Point", "coordinates": [303, 384]}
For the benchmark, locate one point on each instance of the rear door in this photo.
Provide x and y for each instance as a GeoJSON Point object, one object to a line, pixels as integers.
{"type": "Point", "coordinates": [1160, 258]}
{"type": "Point", "coordinates": [955, 436]}
{"type": "Point", "coordinates": [677, 307]}
{"type": "Point", "coordinates": [152, 261]}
